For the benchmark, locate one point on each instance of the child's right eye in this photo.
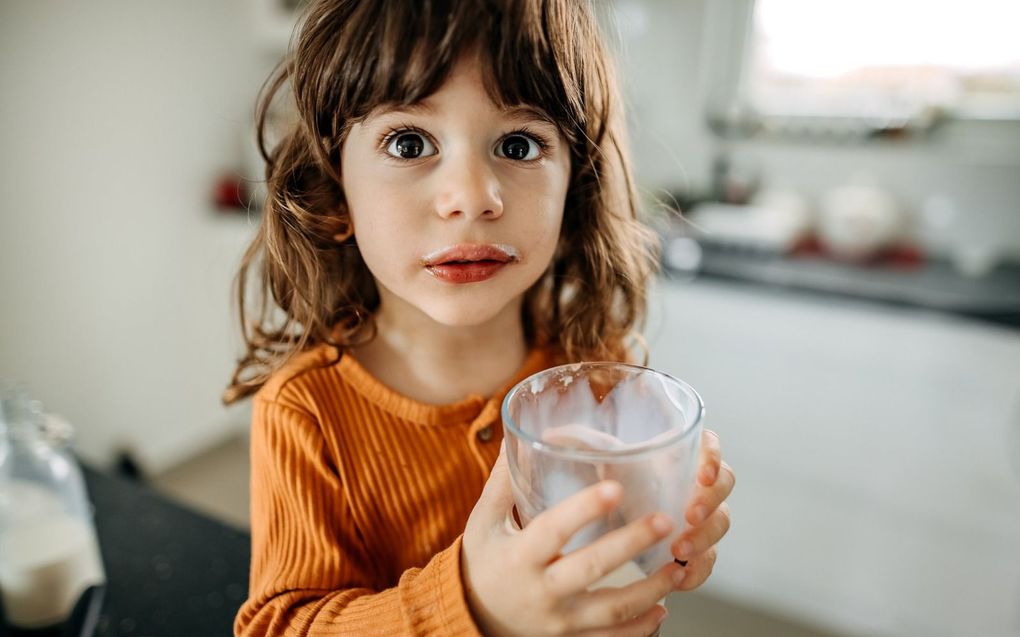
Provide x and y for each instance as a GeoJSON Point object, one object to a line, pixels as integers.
{"type": "Point", "coordinates": [407, 145]}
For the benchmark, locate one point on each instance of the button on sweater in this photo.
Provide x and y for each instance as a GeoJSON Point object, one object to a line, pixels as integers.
{"type": "Point", "coordinates": [359, 497]}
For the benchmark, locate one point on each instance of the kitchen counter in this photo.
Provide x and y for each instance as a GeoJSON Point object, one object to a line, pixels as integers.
{"type": "Point", "coordinates": [170, 571]}
{"type": "Point", "coordinates": [933, 285]}
{"type": "Point", "coordinates": [877, 452]}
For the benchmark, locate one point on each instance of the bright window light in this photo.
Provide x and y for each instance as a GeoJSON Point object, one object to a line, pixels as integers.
{"type": "Point", "coordinates": [885, 58]}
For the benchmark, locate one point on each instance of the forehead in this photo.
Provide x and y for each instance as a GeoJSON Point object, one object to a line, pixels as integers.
{"type": "Point", "coordinates": [467, 87]}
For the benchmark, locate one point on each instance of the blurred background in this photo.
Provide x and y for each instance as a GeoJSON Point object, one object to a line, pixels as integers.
{"type": "Point", "coordinates": [837, 185]}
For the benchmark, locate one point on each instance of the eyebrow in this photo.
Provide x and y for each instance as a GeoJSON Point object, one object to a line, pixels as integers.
{"type": "Point", "coordinates": [521, 111]}
{"type": "Point", "coordinates": [528, 112]}
{"type": "Point", "coordinates": [411, 109]}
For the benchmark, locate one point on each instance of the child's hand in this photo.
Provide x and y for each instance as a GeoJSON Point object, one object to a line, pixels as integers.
{"type": "Point", "coordinates": [707, 514]}
{"type": "Point", "coordinates": [518, 584]}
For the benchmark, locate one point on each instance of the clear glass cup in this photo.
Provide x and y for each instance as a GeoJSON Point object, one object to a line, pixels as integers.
{"type": "Point", "coordinates": [572, 426]}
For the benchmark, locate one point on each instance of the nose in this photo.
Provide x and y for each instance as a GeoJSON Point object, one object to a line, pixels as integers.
{"type": "Point", "coordinates": [468, 188]}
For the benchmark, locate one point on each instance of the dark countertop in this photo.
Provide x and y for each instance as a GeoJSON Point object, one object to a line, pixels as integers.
{"type": "Point", "coordinates": [933, 284]}
{"type": "Point", "coordinates": [171, 572]}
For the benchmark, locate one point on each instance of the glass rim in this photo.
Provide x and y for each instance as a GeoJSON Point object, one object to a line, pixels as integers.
{"type": "Point", "coordinates": [641, 449]}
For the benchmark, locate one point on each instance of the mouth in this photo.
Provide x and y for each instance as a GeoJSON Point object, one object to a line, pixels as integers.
{"type": "Point", "coordinates": [469, 263]}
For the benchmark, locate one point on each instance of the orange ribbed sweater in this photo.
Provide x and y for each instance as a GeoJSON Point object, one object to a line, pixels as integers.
{"type": "Point", "coordinates": [359, 498]}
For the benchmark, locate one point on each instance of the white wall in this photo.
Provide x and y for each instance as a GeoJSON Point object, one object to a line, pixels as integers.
{"type": "Point", "coordinates": [658, 45]}
{"type": "Point", "coordinates": [115, 268]}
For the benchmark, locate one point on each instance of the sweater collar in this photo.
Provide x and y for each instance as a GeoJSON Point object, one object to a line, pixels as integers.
{"type": "Point", "coordinates": [451, 414]}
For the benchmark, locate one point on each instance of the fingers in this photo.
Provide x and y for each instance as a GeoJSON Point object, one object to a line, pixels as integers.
{"type": "Point", "coordinates": [698, 568]}
{"type": "Point", "coordinates": [707, 514]}
{"type": "Point", "coordinates": [707, 499]}
{"type": "Point", "coordinates": [552, 529]}
{"type": "Point", "coordinates": [580, 569]}
{"type": "Point", "coordinates": [642, 626]}
{"type": "Point", "coordinates": [700, 538]}
{"type": "Point", "coordinates": [497, 496]}
{"type": "Point", "coordinates": [710, 457]}
{"type": "Point", "coordinates": [616, 606]}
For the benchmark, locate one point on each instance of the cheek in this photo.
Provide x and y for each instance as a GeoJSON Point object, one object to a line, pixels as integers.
{"type": "Point", "coordinates": [379, 211]}
{"type": "Point", "coordinates": [546, 200]}
{"type": "Point", "coordinates": [379, 239]}
{"type": "Point", "coordinates": [542, 190]}
{"type": "Point", "coordinates": [369, 188]}
{"type": "Point", "coordinates": [550, 238]}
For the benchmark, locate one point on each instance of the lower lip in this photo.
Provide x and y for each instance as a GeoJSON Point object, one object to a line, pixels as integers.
{"type": "Point", "coordinates": [466, 272]}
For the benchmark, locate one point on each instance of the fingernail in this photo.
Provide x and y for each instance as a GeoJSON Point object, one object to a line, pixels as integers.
{"type": "Point", "coordinates": [661, 524]}
{"type": "Point", "coordinates": [700, 513]}
{"type": "Point", "coordinates": [665, 614]}
{"type": "Point", "coordinates": [708, 474]}
{"type": "Point", "coordinates": [609, 490]}
{"type": "Point", "coordinates": [678, 576]}
{"type": "Point", "coordinates": [686, 547]}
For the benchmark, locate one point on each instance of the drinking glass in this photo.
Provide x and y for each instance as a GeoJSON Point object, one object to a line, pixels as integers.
{"type": "Point", "coordinates": [572, 426]}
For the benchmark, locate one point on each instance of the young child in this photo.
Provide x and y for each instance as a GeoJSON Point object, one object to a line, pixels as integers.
{"type": "Point", "coordinates": [451, 213]}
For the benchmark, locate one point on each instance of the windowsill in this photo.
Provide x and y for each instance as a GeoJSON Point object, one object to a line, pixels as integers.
{"type": "Point", "coordinates": [999, 138]}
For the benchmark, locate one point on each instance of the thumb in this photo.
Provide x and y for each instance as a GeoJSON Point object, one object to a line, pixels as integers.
{"type": "Point", "coordinates": [497, 497]}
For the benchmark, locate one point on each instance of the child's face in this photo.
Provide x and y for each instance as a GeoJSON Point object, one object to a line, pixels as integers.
{"type": "Point", "coordinates": [456, 178]}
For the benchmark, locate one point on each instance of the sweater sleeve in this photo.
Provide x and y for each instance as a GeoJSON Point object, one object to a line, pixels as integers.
{"type": "Point", "coordinates": [311, 568]}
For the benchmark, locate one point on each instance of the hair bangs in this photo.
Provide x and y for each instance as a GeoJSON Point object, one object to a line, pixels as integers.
{"type": "Point", "coordinates": [399, 53]}
{"type": "Point", "coordinates": [525, 65]}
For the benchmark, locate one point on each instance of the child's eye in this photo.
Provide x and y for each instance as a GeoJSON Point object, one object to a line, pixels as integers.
{"type": "Point", "coordinates": [520, 147]}
{"type": "Point", "coordinates": [408, 145]}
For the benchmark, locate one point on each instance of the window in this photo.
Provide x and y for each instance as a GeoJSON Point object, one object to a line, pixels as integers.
{"type": "Point", "coordinates": [882, 59]}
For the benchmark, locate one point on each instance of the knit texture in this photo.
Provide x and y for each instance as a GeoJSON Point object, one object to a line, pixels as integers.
{"type": "Point", "coordinates": [359, 497]}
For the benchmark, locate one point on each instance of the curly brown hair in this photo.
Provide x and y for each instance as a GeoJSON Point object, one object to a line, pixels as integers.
{"type": "Point", "coordinates": [352, 56]}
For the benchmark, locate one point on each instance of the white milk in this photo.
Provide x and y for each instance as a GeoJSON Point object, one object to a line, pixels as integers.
{"type": "Point", "coordinates": [46, 565]}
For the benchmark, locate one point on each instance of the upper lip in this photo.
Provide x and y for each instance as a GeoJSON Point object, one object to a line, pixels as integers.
{"type": "Point", "coordinates": [471, 252]}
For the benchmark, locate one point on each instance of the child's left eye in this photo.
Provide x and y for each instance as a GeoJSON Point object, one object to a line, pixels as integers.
{"type": "Point", "coordinates": [519, 147]}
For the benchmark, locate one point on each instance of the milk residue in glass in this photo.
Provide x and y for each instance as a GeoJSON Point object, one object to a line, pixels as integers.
{"type": "Point", "coordinates": [634, 414]}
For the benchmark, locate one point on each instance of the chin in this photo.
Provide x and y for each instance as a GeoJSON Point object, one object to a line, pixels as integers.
{"type": "Point", "coordinates": [474, 309]}
{"type": "Point", "coordinates": [452, 315]}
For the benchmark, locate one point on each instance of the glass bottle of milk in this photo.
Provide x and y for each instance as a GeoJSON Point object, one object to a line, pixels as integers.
{"type": "Point", "coordinates": [51, 573]}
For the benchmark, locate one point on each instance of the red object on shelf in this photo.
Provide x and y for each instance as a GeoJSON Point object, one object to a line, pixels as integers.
{"type": "Point", "coordinates": [900, 256]}
{"type": "Point", "coordinates": [903, 256]}
{"type": "Point", "coordinates": [807, 246]}
{"type": "Point", "coordinates": [230, 193]}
